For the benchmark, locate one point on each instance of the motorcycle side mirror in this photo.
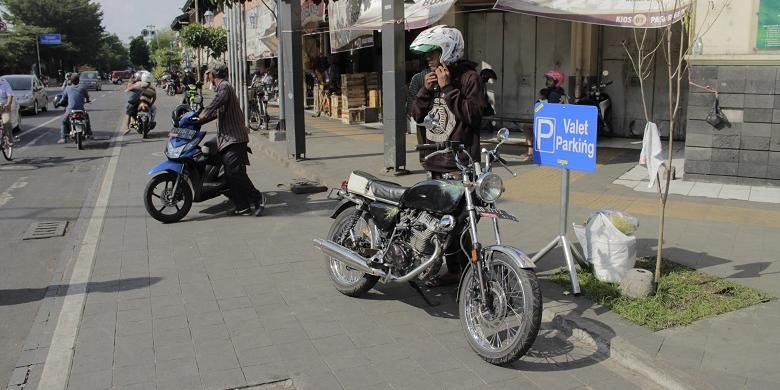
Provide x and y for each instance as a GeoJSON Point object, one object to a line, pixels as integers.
{"type": "Point", "coordinates": [503, 135]}
{"type": "Point", "coordinates": [605, 73]}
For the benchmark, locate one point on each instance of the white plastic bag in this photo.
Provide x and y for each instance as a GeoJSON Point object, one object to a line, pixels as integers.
{"type": "Point", "coordinates": [611, 252]}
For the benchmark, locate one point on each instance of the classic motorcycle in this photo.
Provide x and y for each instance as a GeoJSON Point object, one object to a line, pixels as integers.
{"type": "Point", "coordinates": [190, 173]}
{"type": "Point", "coordinates": [385, 232]}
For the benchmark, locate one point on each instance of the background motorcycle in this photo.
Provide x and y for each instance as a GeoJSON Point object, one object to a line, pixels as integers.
{"type": "Point", "coordinates": [190, 173]}
{"type": "Point", "coordinates": [78, 127]}
{"type": "Point", "coordinates": [193, 97]}
{"type": "Point", "coordinates": [385, 232]}
{"type": "Point", "coordinates": [144, 120]}
{"type": "Point", "coordinates": [599, 98]}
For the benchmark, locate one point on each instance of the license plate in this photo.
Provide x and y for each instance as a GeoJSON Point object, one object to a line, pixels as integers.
{"type": "Point", "coordinates": [489, 212]}
{"type": "Point", "coordinates": [182, 133]}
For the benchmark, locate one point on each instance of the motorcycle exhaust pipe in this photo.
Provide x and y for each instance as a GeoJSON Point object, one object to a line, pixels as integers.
{"type": "Point", "coordinates": [346, 256]}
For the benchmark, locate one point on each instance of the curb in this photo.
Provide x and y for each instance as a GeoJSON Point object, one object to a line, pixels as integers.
{"type": "Point", "coordinates": [620, 351]}
{"type": "Point", "coordinates": [607, 343]}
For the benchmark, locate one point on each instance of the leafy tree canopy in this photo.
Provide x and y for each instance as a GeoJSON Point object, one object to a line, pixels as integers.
{"type": "Point", "coordinates": [139, 52]}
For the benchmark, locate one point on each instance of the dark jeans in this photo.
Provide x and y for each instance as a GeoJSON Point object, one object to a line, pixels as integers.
{"type": "Point", "coordinates": [234, 159]}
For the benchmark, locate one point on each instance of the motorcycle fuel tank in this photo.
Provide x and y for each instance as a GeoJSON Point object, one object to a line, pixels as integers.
{"type": "Point", "coordinates": [436, 196]}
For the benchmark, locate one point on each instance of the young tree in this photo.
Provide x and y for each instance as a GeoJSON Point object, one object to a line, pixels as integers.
{"type": "Point", "coordinates": [139, 52]}
{"type": "Point", "coordinates": [217, 41]}
{"type": "Point", "coordinates": [674, 43]}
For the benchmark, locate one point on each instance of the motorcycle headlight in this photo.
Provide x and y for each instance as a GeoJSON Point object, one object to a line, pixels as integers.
{"type": "Point", "coordinates": [174, 151]}
{"type": "Point", "coordinates": [490, 187]}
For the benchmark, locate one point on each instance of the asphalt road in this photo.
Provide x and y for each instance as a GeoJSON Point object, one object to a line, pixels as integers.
{"type": "Point", "coordinates": [46, 181]}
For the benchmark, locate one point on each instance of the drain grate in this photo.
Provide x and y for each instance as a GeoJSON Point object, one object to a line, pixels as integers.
{"type": "Point", "coordinates": [45, 229]}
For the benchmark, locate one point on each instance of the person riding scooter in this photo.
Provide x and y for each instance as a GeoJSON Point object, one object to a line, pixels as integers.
{"type": "Point", "coordinates": [76, 96]}
{"type": "Point", "coordinates": [140, 95]}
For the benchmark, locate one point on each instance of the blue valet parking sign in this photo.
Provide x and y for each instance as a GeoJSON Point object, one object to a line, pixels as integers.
{"type": "Point", "coordinates": [565, 136]}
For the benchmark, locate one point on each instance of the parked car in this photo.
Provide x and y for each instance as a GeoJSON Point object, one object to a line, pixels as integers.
{"type": "Point", "coordinates": [90, 80]}
{"type": "Point", "coordinates": [120, 76]}
{"type": "Point", "coordinates": [29, 92]}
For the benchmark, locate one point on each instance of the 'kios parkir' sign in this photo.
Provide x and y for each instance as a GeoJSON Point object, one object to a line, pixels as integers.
{"type": "Point", "coordinates": [565, 136]}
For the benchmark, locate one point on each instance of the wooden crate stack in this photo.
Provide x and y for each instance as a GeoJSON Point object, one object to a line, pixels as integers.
{"type": "Point", "coordinates": [353, 98]}
{"type": "Point", "coordinates": [373, 90]}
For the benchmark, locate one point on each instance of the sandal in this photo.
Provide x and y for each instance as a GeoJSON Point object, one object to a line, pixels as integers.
{"type": "Point", "coordinates": [447, 279]}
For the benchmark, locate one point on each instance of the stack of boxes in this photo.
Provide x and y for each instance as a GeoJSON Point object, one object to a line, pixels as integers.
{"type": "Point", "coordinates": [353, 98]}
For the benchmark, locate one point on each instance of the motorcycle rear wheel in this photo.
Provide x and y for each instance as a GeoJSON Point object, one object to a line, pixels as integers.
{"type": "Point", "coordinates": [79, 140]}
{"type": "Point", "coordinates": [167, 198]}
{"type": "Point", "coordinates": [349, 281]}
{"type": "Point", "coordinates": [510, 289]}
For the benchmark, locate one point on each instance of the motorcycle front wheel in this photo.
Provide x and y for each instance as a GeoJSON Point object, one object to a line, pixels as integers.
{"type": "Point", "coordinates": [159, 197]}
{"type": "Point", "coordinates": [347, 280]}
{"type": "Point", "coordinates": [501, 330]}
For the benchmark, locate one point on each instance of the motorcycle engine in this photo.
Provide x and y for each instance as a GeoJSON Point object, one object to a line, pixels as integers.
{"type": "Point", "coordinates": [423, 232]}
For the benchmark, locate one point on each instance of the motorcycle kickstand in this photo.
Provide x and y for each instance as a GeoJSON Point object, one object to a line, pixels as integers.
{"type": "Point", "coordinates": [417, 288]}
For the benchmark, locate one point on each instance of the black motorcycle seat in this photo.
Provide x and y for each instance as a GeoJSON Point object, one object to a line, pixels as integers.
{"type": "Point", "coordinates": [382, 189]}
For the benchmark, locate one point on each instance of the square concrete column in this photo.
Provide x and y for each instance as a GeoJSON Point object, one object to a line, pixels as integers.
{"type": "Point", "coordinates": [394, 85]}
{"type": "Point", "coordinates": [291, 52]}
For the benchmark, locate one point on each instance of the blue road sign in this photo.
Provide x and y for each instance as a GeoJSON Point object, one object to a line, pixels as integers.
{"type": "Point", "coordinates": [50, 39]}
{"type": "Point", "coordinates": [565, 136]}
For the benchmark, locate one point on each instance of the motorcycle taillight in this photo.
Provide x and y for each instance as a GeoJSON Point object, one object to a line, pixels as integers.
{"type": "Point", "coordinates": [344, 185]}
{"type": "Point", "coordinates": [77, 116]}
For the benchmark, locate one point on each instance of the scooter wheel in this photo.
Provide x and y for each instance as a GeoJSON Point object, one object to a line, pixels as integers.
{"type": "Point", "coordinates": [162, 204]}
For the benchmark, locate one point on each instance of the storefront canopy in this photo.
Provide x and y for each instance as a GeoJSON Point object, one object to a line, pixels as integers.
{"type": "Point", "coordinates": [352, 22]}
{"type": "Point", "coordinates": [619, 13]}
{"type": "Point", "coordinates": [261, 39]}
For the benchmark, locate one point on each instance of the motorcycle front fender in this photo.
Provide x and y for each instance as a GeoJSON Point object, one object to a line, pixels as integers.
{"type": "Point", "coordinates": [516, 255]}
{"type": "Point", "coordinates": [166, 165]}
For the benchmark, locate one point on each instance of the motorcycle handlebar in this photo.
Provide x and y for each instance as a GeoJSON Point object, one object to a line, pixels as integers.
{"type": "Point", "coordinates": [439, 146]}
{"type": "Point", "coordinates": [429, 147]}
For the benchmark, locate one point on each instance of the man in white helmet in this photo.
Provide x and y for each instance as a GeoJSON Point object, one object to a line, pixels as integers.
{"type": "Point", "coordinates": [450, 104]}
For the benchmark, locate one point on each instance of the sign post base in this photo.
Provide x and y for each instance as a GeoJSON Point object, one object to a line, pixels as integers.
{"type": "Point", "coordinates": [568, 249]}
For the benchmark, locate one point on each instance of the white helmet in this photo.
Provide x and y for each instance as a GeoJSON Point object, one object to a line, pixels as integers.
{"type": "Point", "coordinates": [146, 77]}
{"type": "Point", "coordinates": [445, 38]}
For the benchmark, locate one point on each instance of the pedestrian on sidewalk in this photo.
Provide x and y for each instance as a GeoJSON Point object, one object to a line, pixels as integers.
{"type": "Point", "coordinates": [232, 141]}
{"type": "Point", "coordinates": [331, 79]}
{"type": "Point", "coordinates": [451, 101]}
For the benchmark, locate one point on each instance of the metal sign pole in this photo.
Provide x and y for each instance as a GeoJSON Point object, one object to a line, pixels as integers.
{"type": "Point", "coordinates": [38, 51]}
{"type": "Point", "coordinates": [561, 240]}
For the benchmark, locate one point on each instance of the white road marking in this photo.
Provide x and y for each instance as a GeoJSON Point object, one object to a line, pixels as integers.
{"type": "Point", "coordinates": [6, 195]}
{"type": "Point", "coordinates": [42, 124]}
{"type": "Point", "coordinates": [33, 142]}
{"type": "Point", "coordinates": [58, 361]}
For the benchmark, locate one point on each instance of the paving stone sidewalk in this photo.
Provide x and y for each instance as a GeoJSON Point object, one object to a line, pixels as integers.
{"type": "Point", "coordinates": [726, 238]}
{"type": "Point", "coordinates": [216, 302]}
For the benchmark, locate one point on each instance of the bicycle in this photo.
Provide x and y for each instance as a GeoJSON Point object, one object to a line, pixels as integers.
{"type": "Point", "coordinates": [8, 149]}
{"type": "Point", "coordinates": [258, 110]}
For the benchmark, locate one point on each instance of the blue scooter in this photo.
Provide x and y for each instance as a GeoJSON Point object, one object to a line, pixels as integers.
{"type": "Point", "coordinates": [190, 173]}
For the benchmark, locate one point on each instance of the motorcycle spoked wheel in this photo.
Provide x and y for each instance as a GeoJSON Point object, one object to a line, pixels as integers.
{"type": "Point", "coordinates": [504, 329]}
{"type": "Point", "coordinates": [347, 280]}
{"type": "Point", "coordinates": [181, 202]}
